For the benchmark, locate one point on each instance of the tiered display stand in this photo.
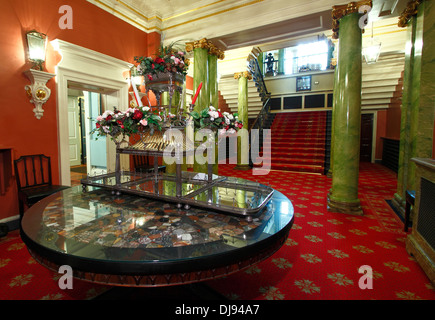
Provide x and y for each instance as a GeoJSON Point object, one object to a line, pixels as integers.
{"type": "Point", "coordinates": [185, 188]}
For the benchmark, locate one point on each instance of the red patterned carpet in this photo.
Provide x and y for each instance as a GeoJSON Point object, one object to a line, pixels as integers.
{"type": "Point", "coordinates": [319, 261]}
{"type": "Point", "coordinates": [324, 251]}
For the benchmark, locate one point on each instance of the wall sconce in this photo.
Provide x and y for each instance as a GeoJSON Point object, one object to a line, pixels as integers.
{"type": "Point", "coordinates": [37, 44]}
{"type": "Point", "coordinates": [371, 50]}
{"type": "Point", "coordinates": [37, 91]}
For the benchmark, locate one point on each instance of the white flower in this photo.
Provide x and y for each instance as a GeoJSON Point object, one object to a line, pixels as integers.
{"type": "Point", "coordinates": [213, 114]}
{"type": "Point", "coordinates": [118, 115]}
{"type": "Point", "coordinates": [145, 108]}
{"type": "Point", "coordinates": [212, 108]}
{"type": "Point", "coordinates": [129, 111]}
{"type": "Point", "coordinates": [107, 113]}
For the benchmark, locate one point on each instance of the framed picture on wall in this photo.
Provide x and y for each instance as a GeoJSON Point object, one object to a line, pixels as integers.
{"type": "Point", "coordinates": [303, 83]}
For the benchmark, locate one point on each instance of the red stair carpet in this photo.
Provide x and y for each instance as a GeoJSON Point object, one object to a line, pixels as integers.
{"type": "Point", "coordinates": [298, 142]}
{"type": "Point", "coordinates": [319, 261]}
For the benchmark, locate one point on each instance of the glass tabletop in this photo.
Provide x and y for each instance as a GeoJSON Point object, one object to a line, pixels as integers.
{"type": "Point", "coordinates": [99, 227]}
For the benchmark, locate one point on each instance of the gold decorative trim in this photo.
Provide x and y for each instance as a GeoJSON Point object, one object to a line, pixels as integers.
{"type": "Point", "coordinates": [193, 10]}
{"type": "Point", "coordinates": [163, 20]}
{"type": "Point", "coordinates": [205, 44]}
{"type": "Point", "coordinates": [244, 74]}
{"type": "Point", "coordinates": [340, 11]}
{"type": "Point", "coordinates": [410, 11]}
{"type": "Point", "coordinates": [213, 14]}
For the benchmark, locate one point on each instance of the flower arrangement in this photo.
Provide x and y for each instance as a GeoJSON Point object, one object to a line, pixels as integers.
{"type": "Point", "coordinates": [131, 121]}
{"type": "Point", "coordinates": [168, 59]}
{"type": "Point", "coordinates": [214, 119]}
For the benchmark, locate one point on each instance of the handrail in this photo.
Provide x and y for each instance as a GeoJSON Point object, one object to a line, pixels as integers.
{"type": "Point", "coordinates": [257, 76]}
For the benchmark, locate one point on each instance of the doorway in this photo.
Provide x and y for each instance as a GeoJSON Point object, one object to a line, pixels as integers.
{"type": "Point", "coordinates": [89, 71]}
{"type": "Point", "coordinates": [88, 151]}
{"type": "Point", "coordinates": [366, 139]}
{"type": "Point", "coordinates": [77, 135]}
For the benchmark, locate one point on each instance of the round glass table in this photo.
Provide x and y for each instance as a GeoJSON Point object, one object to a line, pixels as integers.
{"type": "Point", "coordinates": [128, 240]}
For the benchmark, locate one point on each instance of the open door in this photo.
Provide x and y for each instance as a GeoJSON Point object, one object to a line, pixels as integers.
{"type": "Point", "coordinates": [75, 145]}
{"type": "Point", "coordinates": [96, 151]}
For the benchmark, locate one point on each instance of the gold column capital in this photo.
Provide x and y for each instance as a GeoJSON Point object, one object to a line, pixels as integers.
{"type": "Point", "coordinates": [340, 11]}
{"type": "Point", "coordinates": [410, 10]}
{"type": "Point", "coordinates": [205, 44]}
{"type": "Point", "coordinates": [244, 74]}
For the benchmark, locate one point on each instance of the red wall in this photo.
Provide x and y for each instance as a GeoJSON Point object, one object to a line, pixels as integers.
{"type": "Point", "coordinates": [93, 28]}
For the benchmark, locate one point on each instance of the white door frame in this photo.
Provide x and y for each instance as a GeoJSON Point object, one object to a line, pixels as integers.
{"type": "Point", "coordinates": [90, 68]}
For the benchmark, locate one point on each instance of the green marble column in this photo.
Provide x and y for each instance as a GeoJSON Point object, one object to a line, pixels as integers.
{"type": "Point", "coordinates": [418, 100]}
{"type": "Point", "coordinates": [404, 148]}
{"type": "Point", "coordinates": [212, 80]}
{"type": "Point", "coordinates": [213, 56]}
{"type": "Point", "coordinates": [343, 196]}
{"type": "Point", "coordinates": [205, 60]}
{"type": "Point", "coordinates": [242, 138]}
{"type": "Point", "coordinates": [200, 75]}
{"type": "Point", "coordinates": [335, 96]}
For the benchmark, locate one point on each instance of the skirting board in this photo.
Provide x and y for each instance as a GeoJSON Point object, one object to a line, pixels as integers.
{"type": "Point", "coordinates": [13, 222]}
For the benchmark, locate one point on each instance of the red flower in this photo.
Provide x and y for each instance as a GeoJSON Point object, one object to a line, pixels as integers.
{"type": "Point", "coordinates": [137, 115]}
{"type": "Point", "coordinates": [150, 77]}
{"type": "Point", "coordinates": [159, 60]}
{"type": "Point", "coordinates": [240, 125]}
{"type": "Point", "coordinates": [153, 66]}
{"type": "Point", "coordinates": [108, 118]}
{"type": "Point", "coordinates": [98, 125]}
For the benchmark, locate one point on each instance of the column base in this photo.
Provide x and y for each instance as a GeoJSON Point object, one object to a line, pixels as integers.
{"type": "Point", "coordinates": [353, 208]}
{"type": "Point", "coordinates": [242, 167]}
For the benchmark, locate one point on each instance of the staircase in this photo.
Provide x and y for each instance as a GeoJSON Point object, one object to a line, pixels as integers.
{"type": "Point", "coordinates": [229, 88]}
{"type": "Point", "coordinates": [297, 142]}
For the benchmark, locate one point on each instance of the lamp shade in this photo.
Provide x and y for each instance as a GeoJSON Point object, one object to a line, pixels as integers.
{"type": "Point", "coordinates": [36, 44]}
{"type": "Point", "coordinates": [371, 51]}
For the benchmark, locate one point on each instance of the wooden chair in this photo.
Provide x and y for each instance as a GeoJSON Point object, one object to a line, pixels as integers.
{"type": "Point", "coordinates": [33, 175]}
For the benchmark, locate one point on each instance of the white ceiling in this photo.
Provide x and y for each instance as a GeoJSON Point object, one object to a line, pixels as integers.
{"type": "Point", "coordinates": [232, 24]}
{"type": "Point", "coordinates": [236, 26]}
